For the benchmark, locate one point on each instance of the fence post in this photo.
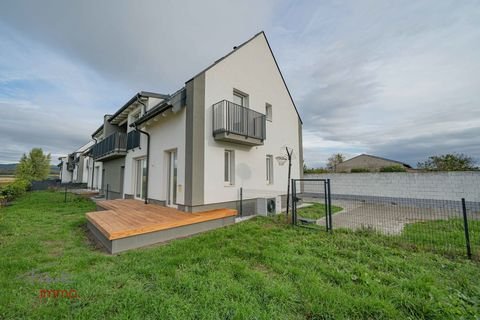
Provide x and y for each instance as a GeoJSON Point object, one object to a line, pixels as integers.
{"type": "Point", "coordinates": [465, 228]}
{"type": "Point", "coordinates": [241, 201]}
{"type": "Point", "coordinates": [293, 195]}
{"type": "Point", "coordinates": [65, 200]}
{"type": "Point", "coordinates": [106, 193]}
{"type": "Point", "coordinates": [326, 204]}
{"type": "Point", "coordinates": [329, 206]}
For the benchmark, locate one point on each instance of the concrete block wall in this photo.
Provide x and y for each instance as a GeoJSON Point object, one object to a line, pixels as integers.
{"type": "Point", "coordinates": [418, 185]}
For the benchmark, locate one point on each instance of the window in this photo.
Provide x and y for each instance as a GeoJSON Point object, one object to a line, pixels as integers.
{"type": "Point", "coordinates": [269, 169]}
{"type": "Point", "coordinates": [240, 98]}
{"type": "Point", "coordinates": [140, 178]}
{"type": "Point", "coordinates": [268, 111]}
{"type": "Point", "coordinates": [229, 167]}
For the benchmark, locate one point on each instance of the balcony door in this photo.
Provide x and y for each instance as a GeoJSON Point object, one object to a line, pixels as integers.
{"type": "Point", "coordinates": [238, 114]}
{"type": "Point", "coordinates": [140, 178]}
{"type": "Point", "coordinates": [172, 178]}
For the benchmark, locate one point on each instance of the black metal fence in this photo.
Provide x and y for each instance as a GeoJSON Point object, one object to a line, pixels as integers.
{"type": "Point", "coordinates": [449, 227]}
{"type": "Point", "coordinates": [52, 184]}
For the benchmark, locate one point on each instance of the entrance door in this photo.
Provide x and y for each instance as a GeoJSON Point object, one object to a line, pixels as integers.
{"type": "Point", "coordinates": [172, 179]}
{"type": "Point", "coordinates": [140, 178]}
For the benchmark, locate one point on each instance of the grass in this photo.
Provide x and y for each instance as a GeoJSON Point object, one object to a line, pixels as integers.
{"type": "Point", "coordinates": [443, 236]}
{"type": "Point", "coordinates": [261, 268]}
{"type": "Point", "coordinates": [315, 211]}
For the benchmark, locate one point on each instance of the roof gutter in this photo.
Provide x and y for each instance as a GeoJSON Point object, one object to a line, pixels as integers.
{"type": "Point", "coordinates": [135, 98]}
{"type": "Point", "coordinates": [153, 113]}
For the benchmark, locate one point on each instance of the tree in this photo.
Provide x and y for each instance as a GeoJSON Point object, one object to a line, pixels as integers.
{"type": "Point", "coordinates": [334, 160]}
{"type": "Point", "coordinates": [448, 162]}
{"type": "Point", "coordinates": [35, 166]}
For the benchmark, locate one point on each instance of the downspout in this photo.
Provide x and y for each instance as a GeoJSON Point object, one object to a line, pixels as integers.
{"type": "Point", "coordinates": [93, 164]}
{"type": "Point", "coordinates": [148, 147]}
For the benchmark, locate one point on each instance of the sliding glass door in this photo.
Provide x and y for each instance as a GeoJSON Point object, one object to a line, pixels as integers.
{"type": "Point", "coordinates": [140, 178]}
{"type": "Point", "coordinates": [172, 178]}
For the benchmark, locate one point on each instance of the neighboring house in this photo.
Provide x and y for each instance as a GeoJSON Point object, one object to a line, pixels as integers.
{"type": "Point", "coordinates": [76, 167]}
{"type": "Point", "coordinates": [195, 149]}
{"type": "Point", "coordinates": [372, 163]}
{"type": "Point", "coordinates": [65, 169]}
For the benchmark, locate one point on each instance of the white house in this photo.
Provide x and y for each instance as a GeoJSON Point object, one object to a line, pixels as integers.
{"type": "Point", "coordinates": [76, 167]}
{"type": "Point", "coordinates": [197, 148]}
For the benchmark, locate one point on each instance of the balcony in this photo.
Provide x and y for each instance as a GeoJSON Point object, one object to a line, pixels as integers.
{"type": "Point", "coordinates": [235, 123]}
{"type": "Point", "coordinates": [133, 140]}
{"type": "Point", "coordinates": [113, 146]}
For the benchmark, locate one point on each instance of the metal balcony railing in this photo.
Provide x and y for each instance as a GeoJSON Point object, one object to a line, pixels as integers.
{"type": "Point", "coordinates": [133, 140]}
{"type": "Point", "coordinates": [229, 117]}
{"type": "Point", "coordinates": [113, 145]}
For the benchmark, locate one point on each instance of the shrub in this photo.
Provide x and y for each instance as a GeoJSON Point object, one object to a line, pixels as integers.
{"type": "Point", "coordinates": [394, 168]}
{"type": "Point", "coordinates": [3, 200]}
{"type": "Point", "coordinates": [359, 170]}
{"type": "Point", "coordinates": [314, 170]}
{"type": "Point", "coordinates": [15, 189]}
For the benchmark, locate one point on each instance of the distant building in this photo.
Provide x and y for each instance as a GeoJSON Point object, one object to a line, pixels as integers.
{"type": "Point", "coordinates": [76, 167]}
{"type": "Point", "coordinates": [372, 163]}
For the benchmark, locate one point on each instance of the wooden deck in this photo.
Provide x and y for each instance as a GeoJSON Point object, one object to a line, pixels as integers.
{"type": "Point", "coordinates": [127, 218]}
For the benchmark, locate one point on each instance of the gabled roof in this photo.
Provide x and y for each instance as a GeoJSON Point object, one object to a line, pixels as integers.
{"type": "Point", "coordinates": [169, 100]}
{"type": "Point", "coordinates": [121, 114]}
{"type": "Point", "coordinates": [274, 59]}
{"type": "Point", "coordinates": [97, 131]}
{"type": "Point", "coordinates": [176, 100]}
{"type": "Point", "coordinates": [372, 156]}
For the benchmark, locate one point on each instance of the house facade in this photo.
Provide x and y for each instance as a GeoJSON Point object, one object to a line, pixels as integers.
{"type": "Point", "coordinates": [201, 147]}
{"type": "Point", "coordinates": [76, 166]}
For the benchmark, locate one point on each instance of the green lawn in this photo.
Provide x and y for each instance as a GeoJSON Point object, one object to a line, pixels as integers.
{"type": "Point", "coordinates": [443, 236]}
{"type": "Point", "coordinates": [258, 269]}
{"type": "Point", "coordinates": [316, 211]}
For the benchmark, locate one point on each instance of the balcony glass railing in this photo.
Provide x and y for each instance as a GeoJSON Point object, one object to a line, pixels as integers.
{"type": "Point", "coordinates": [114, 144]}
{"type": "Point", "coordinates": [229, 117]}
{"type": "Point", "coordinates": [133, 140]}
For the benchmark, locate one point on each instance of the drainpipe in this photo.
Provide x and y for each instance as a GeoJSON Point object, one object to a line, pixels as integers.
{"type": "Point", "coordinates": [93, 165]}
{"type": "Point", "coordinates": [148, 146]}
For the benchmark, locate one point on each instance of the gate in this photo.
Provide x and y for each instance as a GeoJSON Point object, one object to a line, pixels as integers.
{"type": "Point", "coordinates": [311, 203]}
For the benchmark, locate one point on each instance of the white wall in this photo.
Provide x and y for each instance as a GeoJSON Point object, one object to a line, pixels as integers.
{"type": "Point", "coordinates": [86, 169]}
{"type": "Point", "coordinates": [66, 175]}
{"type": "Point", "coordinates": [89, 176]}
{"type": "Point", "coordinates": [251, 70]}
{"type": "Point", "coordinates": [97, 174]}
{"type": "Point", "coordinates": [421, 185]}
{"type": "Point", "coordinates": [167, 133]}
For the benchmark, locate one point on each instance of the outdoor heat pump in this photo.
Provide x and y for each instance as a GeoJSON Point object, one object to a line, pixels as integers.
{"type": "Point", "coordinates": [269, 206]}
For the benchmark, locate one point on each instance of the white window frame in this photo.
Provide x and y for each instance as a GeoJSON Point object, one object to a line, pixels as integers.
{"type": "Point", "coordinates": [269, 168]}
{"type": "Point", "coordinates": [242, 95]}
{"type": "Point", "coordinates": [268, 112]}
{"type": "Point", "coordinates": [229, 167]}
{"type": "Point", "coordinates": [136, 161]}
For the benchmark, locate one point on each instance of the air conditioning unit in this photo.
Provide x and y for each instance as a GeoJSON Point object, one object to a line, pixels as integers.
{"type": "Point", "coordinates": [269, 206]}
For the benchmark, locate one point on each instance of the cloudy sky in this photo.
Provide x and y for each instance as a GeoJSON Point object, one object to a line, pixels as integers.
{"type": "Point", "coordinates": [398, 79]}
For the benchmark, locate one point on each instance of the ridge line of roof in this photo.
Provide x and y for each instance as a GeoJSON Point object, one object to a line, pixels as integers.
{"type": "Point", "coordinates": [381, 158]}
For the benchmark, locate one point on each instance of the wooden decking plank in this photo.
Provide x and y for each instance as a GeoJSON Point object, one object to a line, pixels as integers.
{"type": "Point", "coordinates": [124, 218]}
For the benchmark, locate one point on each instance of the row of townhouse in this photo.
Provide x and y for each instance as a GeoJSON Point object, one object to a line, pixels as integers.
{"type": "Point", "coordinates": [77, 166]}
{"type": "Point", "coordinates": [226, 130]}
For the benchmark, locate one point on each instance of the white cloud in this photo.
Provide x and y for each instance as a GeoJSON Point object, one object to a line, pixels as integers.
{"type": "Point", "coordinates": [396, 79]}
